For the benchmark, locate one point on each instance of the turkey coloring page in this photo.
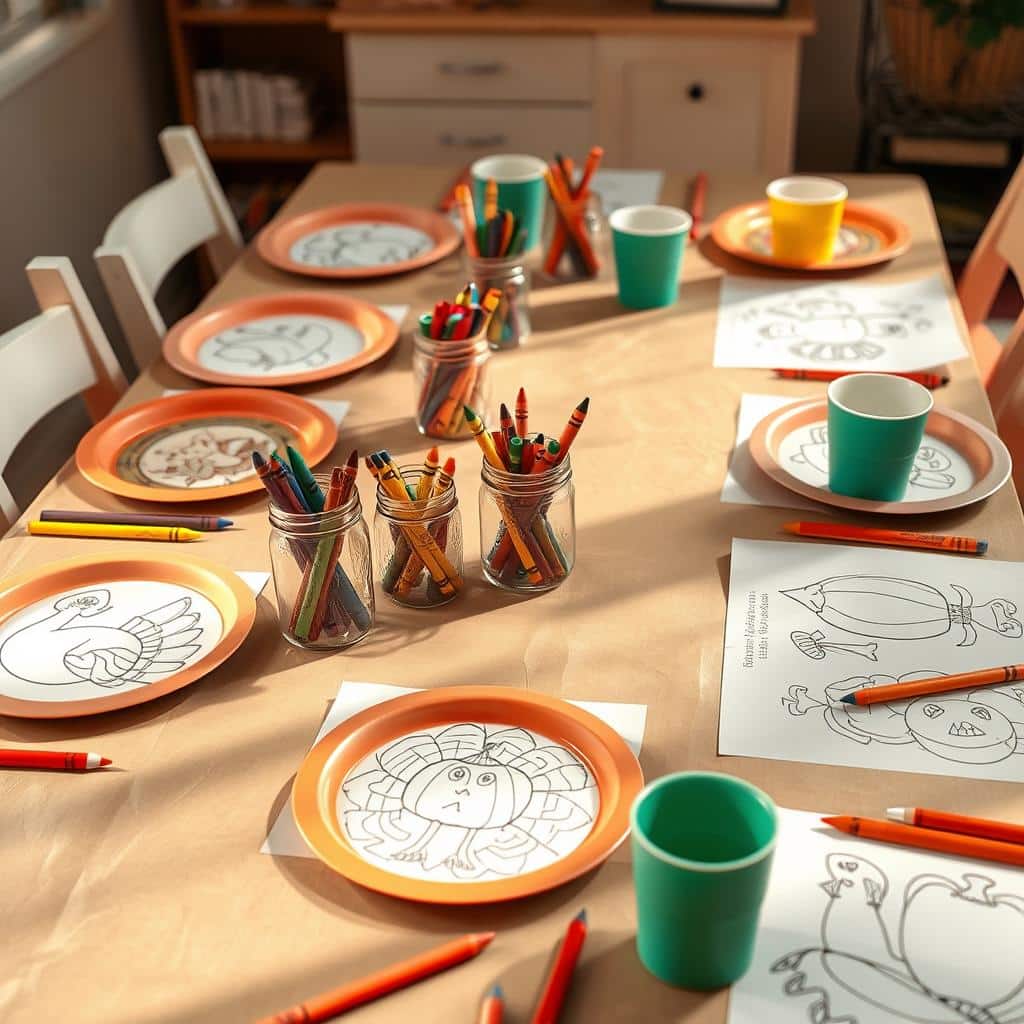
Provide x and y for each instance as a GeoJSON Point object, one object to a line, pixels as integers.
{"type": "Point", "coordinates": [359, 244]}
{"type": "Point", "coordinates": [86, 643]}
{"type": "Point", "coordinates": [808, 623]}
{"type": "Point", "coordinates": [881, 327]}
{"type": "Point", "coordinates": [855, 932]}
{"type": "Point", "coordinates": [468, 802]}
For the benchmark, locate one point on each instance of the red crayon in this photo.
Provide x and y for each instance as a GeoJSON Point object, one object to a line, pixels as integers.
{"type": "Point", "coordinates": [56, 760]}
{"type": "Point", "coordinates": [556, 985]}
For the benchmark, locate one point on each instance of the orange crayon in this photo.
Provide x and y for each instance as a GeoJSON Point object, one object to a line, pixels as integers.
{"type": "Point", "coordinates": [894, 538]}
{"type": "Point", "coordinates": [929, 839]}
{"type": "Point", "coordinates": [962, 824]}
{"type": "Point", "coordinates": [381, 983]}
{"type": "Point", "coordinates": [572, 428]}
{"type": "Point", "coordinates": [464, 198]}
{"type": "Point", "coordinates": [927, 379]}
{"type": "Point", "coordinates": [490, 200]}
{"type": "Point", "coordinates": [936, 684]}
{"type": "Point", "coordinates": [522, 414]}
{"type": "Point", "coordinates": [426, 481]}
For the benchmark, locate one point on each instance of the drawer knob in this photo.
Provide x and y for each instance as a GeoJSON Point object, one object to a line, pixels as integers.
{"type": "Point", "coordinates": [498, 139]}
{"type": "Point", "coordinates": [451, 67]}
{"type": "Point", "coordinates": [696, 92]}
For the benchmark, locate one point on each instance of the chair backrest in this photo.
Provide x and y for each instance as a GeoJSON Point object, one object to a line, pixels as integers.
{"type": "Point", "coordinates": [155, 230]}
{"type": "Point", "coordinates": [44, 361]}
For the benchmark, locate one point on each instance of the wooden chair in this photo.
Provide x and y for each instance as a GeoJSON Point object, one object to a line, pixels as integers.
{"type": "Point", "coordinates": [1000, 249]}
{"type": "Point", "coordinates": [43, 362]}
{"type": "Point", "coordinates": [155, 230]}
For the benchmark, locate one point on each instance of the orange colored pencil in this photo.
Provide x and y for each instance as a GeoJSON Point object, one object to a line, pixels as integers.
{"type": "Point", "coordinates": [593, 160]}
{"type": "Point", "coordinates": [894, 538]}
{"type": "Point", "coordinates": [572, 428]}
{"type": "Point", "coordinates": [698, 199]}
{"type": "Point", "coordinates": [564, 204]}
{"type": "Point", "coordinates": [962, 824]}
{"type": "Point", "coordinates": [464, 198]}
{"type": "Point", "coordinates": [492, 1009]}
{"type": "Point", "coordinates": [928, 380]}
{"type": "Point", "coordinates": [522, 413]}
{"type": "Point", "coordinates": [929, 839]}
{"type": "Point", "coordinates": [390, 979]}
{"type": "Point", "coordinates": [936, 684]}
{"type": "Point", "coordinates": [556, 985]}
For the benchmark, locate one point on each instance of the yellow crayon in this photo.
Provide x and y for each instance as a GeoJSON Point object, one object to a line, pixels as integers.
{"type": "Point", "coordinates": [38, 528]}
{"type": "Point", "coordinates": [413, 568]}
{"type": "Point", "coordinates": [476, 425]}
{"type": "Point", "coordinates": [490, 200]}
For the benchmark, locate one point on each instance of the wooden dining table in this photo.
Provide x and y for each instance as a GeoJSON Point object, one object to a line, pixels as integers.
{"type": "Point", "coordinates": [139, 894]}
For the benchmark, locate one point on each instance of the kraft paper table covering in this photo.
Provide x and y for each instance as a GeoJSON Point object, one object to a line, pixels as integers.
{"type": "Point", "coordinates": [139, 895]}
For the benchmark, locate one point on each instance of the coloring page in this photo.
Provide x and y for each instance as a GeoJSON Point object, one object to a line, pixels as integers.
{"type": "Point", "coordinates": [856, 932]}
{"type": "Point", "coordinates": [882, 327]}
{"type": "Point", "coordinates": [468, 802]}
{"type": "Point", "coordinates": [626, 188]}
{"type": "Point", "coordinates": [84, 644]}
{"type": "Point", "coordinates": [938, 470]}
{"type": "Point", "coordinates": [808, 623]}
{"type": "Point", "coordinates": [358, 244]}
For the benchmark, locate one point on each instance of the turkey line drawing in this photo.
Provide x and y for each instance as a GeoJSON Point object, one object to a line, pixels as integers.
{"type": "Point", "coordinates": [66, 647]}
{"type": "Point", "coordinates": [263, 347]}
{"type": "Point", "coordinates": [954, 956]}
{"type": "Point", "coordinates": [472, 800]}
{"type": "Point", "coordinates": [366, 245]}
{"type": "Point", "coordinates": [888, 608]}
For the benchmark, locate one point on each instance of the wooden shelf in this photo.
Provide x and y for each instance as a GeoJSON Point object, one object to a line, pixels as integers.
{"type": "Point", "coordinates": [269, 14]}
{"type": "Point", "coordinates": [334, 145]}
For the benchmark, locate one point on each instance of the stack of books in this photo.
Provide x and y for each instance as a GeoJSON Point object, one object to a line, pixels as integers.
{"type": "Point", "coordinates": [253, 105]}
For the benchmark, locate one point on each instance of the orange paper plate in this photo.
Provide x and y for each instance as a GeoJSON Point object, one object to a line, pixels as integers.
{"type": "Point", "coordinates": [104, 632]}
{"type": "Point", "coordinates": [198, 446]}
{"type": "Point", "coordinates": [468, 794]}
{"type": "Point", "coordinates": [867, 236]}
{"type": "Point", "coordinates": [280, 339]}
{"type": "Point", "coordinates": [358, 240]}
{"type": "Point", "coordinates": [960, 461]}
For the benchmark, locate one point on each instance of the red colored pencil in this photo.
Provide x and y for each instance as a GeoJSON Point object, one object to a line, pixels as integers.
{"type": "Point", "coordinates": [928, 380]}
{"type": "Point", "coordinates": [929, 839]}
{"type": "Point", "coordinates": [935, 684]}
{"type": "Point", "coordinates": [962, 824]}
{"type": "Point", "coordinates": [556, 985]}
{"type": "Point", "coordinates": [56, 760]}
{"type": "Point", "coordinates": [492, 1009]}
{"type": "Point", "coordinates": [390, 979]}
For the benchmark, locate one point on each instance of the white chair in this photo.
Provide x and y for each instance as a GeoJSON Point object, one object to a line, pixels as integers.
{"type": "Point", "coordinates": [155, 230]}
{"type": "Point", "coordinates": [44, 361]}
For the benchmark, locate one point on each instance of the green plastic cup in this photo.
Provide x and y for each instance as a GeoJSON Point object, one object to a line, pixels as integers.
{"type": "Point", "coordinates": [521, 189]}
{"type": "Point", "coordinates": [875, 426]}
{"type": "Point", "coordinates": [702, 853]}
{"type": "Point", "coordinates": [648, 243]}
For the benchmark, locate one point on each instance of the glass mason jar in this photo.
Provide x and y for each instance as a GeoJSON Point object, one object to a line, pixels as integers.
{"type": "Point", "coordinates": [323, 574]}
{"type": "Point", "coordinates": [527, 527]}
{"type": "Point", "coordinates": [408, 533]}
{"type": "Point", "coordinates": [446, 376]}
{"type": "Point", "coordinates": [510, 325]}
{"type": "Point", "coordinates": [566, 264]}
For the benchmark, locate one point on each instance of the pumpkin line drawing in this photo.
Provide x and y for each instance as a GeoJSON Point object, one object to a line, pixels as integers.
{"type": "Point", "coordinates": [982, 726]}
{"type": "Point", "coordinates": [935, 967]}
{"type": "Point", "coordinates": [471, 801]}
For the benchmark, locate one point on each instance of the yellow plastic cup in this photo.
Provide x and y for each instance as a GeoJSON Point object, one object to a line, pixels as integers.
{"type": "Point", "coordinates": [806, 213]}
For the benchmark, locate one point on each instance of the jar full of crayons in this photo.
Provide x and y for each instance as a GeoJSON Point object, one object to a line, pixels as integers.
{"type": "Point", "coordinates": [446, 376]}
{"type": "Point", "coordinates": [573, 256]}
{"type": "Point", "coordinates": [509, 277]}
{"type": "Point", "coordinates": [323, 575]}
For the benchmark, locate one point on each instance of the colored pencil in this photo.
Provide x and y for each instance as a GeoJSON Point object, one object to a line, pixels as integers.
{"type": "Point", "coordinates": [381, 983]}
{"type": "Point", "coordinates": [56, 760]}
{"type": "Point", "coordinates": [492, 1009]}
{"type": "Point", "coordinates": [936, 684]}
{"type": "Point", "coordinates": [307, 482]}
{"type": "Point", "coordinates": [928, 380]}
{"type": "Point", "coordinates": [893, 538]}
{"type": "Point", "coordinates": [111, 531]}
{"type": "Point", "coordinates": [594, 158]}
{"type": "Point", "coordinates": [559, 978]}
{"type": "Point", "coordinates": [572, 428]}
{"type": "Point", "coordinates": [698, 199]}
{"type": "Point", "coordinates": [929, 839]}
{"type": "Point", "coordinates": [464, 197]}
{"type": "Point", "coordinates": [206, 524]}
{"type": "Point", "coordinates": [962, 824]}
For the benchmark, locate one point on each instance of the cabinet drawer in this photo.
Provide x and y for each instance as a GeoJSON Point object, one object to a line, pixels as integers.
{"type": "Point", "coordinates": [453, 133]}
{"type": "Point", "coordinates": [429, 67]}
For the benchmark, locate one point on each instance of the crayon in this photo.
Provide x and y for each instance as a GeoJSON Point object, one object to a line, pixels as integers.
{"type": "Point", "coordinates": [927, 379]}
{"type": "Point", "coordinates": [556, 984]}
{"type": "Point", "coordinates": [409, 489]}
{"type": "Point", "coordinates": [402, 549]}
{"type": "Point", "coordinates": [426, 481]}
{"type": "Point", "coordinates": [962, 824]}
{"type": "Point", "coordinates": [307, 482]}
{"type": "Point", "coordinates": [528, 456]}
{"type": "Point", "coordinates": [572, 428]}
{"type": "Point", "coordinates": [490, 199]}
{"type": "Point", "coordinates": [515, 454]}
{"type": "Point", "coordinates": [506, 423]}
{"type": "Point", "coordinates": [464, 197]}
{"type": "Point", "coordinates": [56, 760]}
{"type": "Point", "coordinates": [929, 839]}
{"type": "Point", "coordinates": [522, 414]}
{"type": "Point", "coordinates": [894, 538]}
{"type": "Point", "coordinates": [414, 566]}
{"type": "Point", "coordinates": [290, 483]}
{"type": "Point", "coordinates": [483, 438]}
{"type": "Point", "coordinates": [936, 684]}
{"type": "Point", "coordinates": [112, 531]}
{"type": "Point", "coordinates": [205, 524]}
{"type": "Point", "coordinates": [500, 446]}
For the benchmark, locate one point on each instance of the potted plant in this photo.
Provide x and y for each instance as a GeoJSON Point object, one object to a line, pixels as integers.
{"type": "Point", "coordinates": [957, 54]}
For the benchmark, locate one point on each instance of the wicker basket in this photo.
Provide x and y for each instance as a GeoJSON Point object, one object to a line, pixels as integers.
{"type": "Point", "coordinates": [936, 67]}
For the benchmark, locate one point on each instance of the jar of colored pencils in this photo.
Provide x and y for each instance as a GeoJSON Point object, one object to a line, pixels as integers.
{"type": "Point", "coordinates": [401, 528]}
{"type": "Point", "coordinates": [448, 375]}
{"type": "Point", "coordinates": [510, 325]}
{"type": "Point", "coordinates": [527, 527]}
{"type": "Point", "coordinates": [323, 574]}
{"type": "Point", "coordinates": [574, 257]}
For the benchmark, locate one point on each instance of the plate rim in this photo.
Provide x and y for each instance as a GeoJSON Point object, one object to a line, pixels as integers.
{"type": "Point", "coordinates": [896, 248]}
{"type": "Point", "coordinates": [37, 586]}
{"type": "Point", "coordinates": [446, 241]}
{"type": "Point", "coordinates": [176, 357]}
{"type": "Point", "coordinates": [99, 475]}
{"type": "Point", "coordinates": [998, 474]}
{"type": "Point", "coordinates": [308, 792]}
